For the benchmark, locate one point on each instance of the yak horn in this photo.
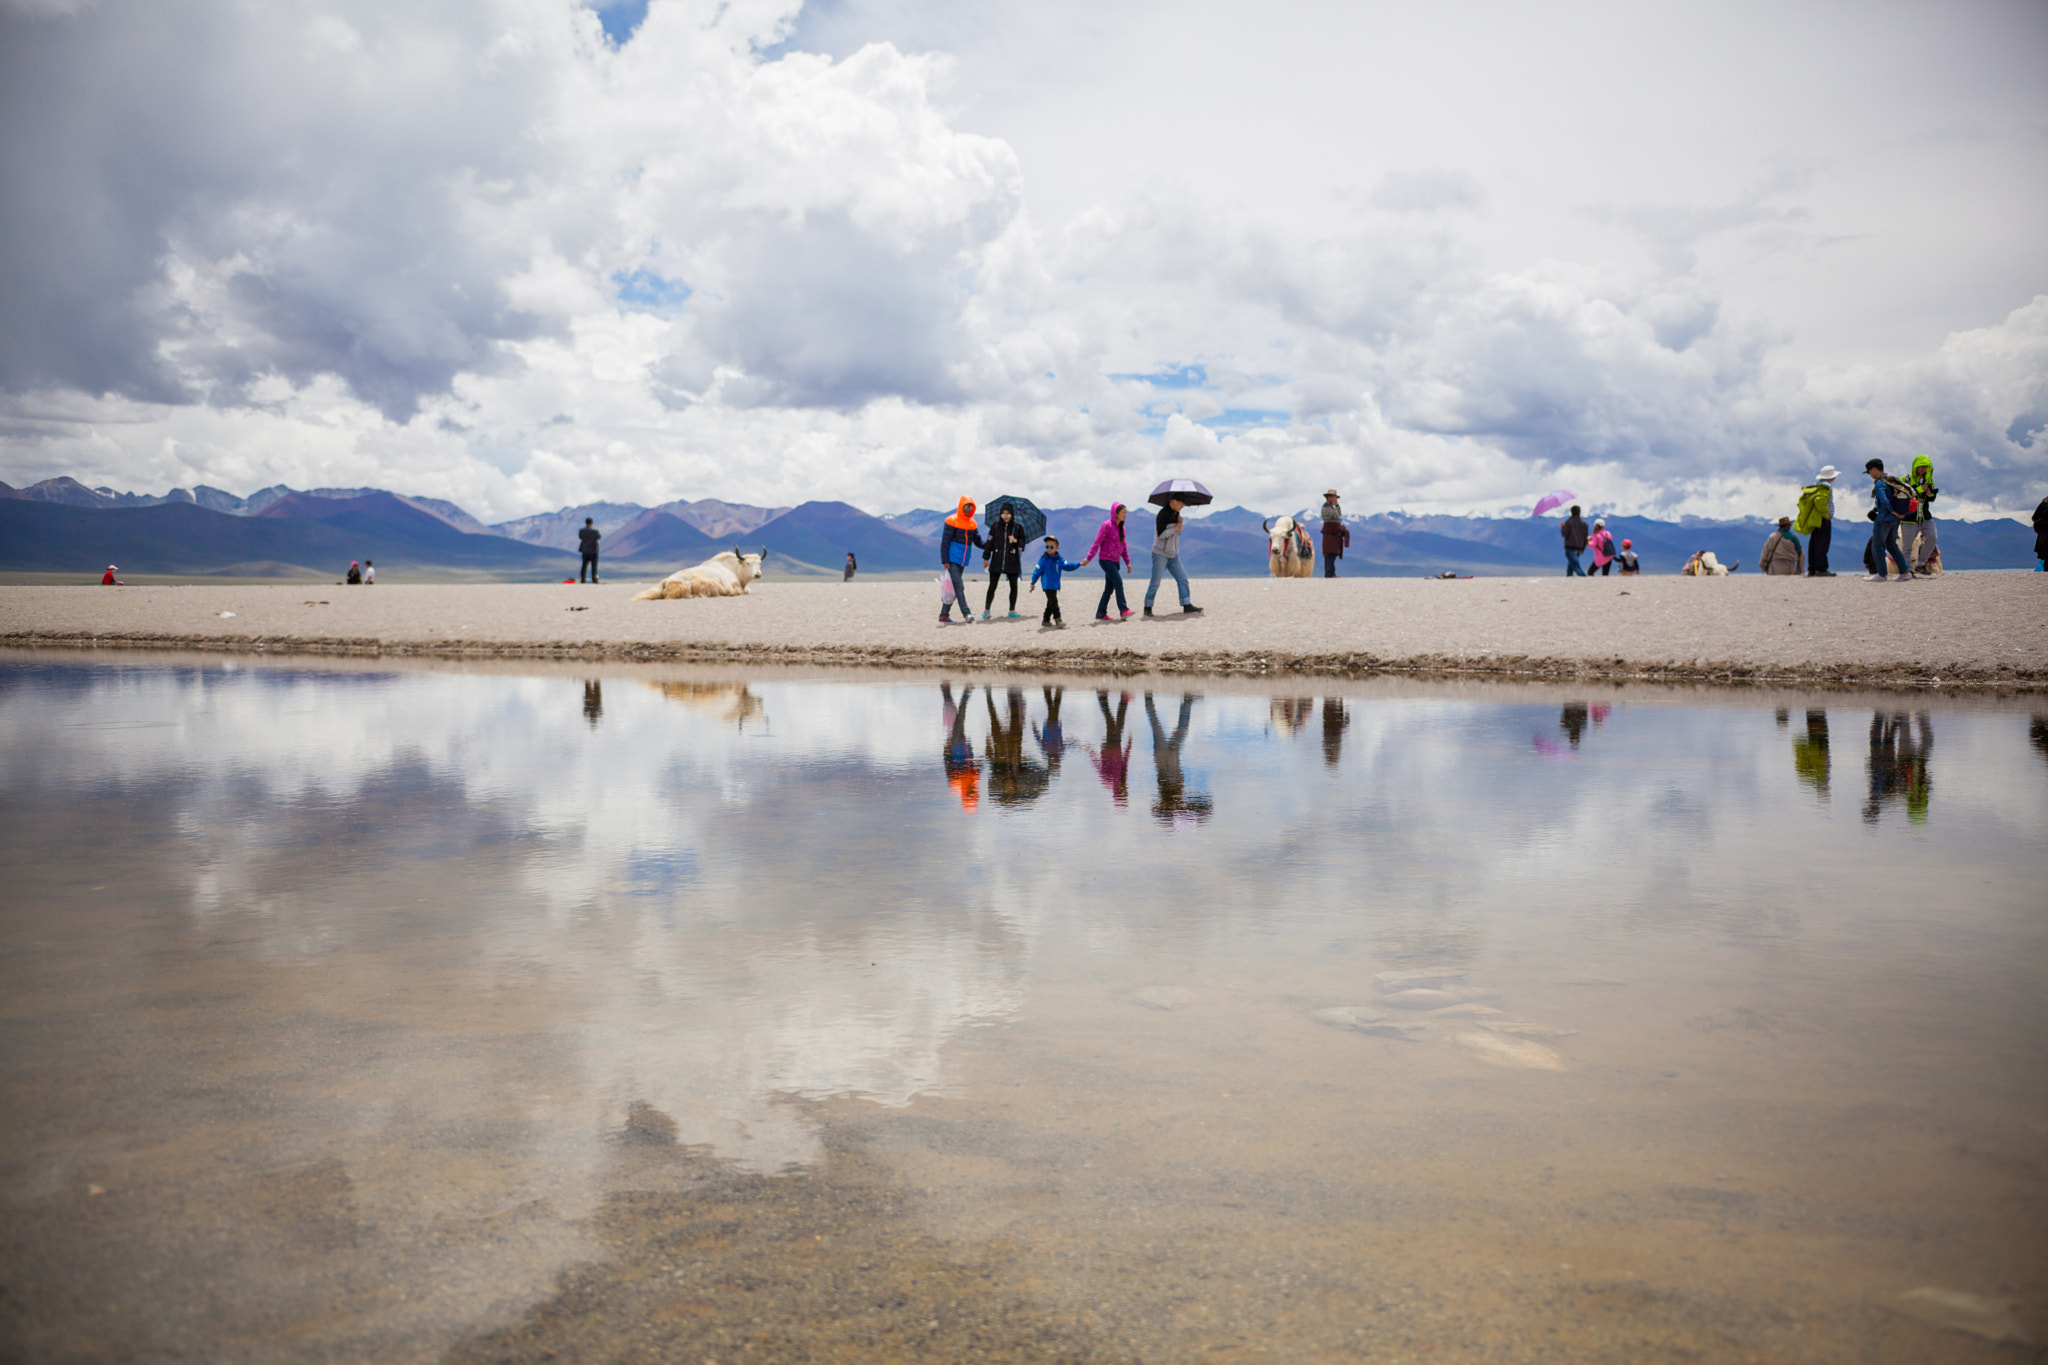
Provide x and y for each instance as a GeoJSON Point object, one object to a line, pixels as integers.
{"type": "Point", "coordinates": [1267, 525]}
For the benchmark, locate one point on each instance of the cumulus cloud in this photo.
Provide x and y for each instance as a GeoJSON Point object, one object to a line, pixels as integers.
{"type": "Point", "coordinates": [526, 252]}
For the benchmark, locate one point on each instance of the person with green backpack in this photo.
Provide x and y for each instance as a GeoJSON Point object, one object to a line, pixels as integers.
{"type": "Point", "coordinates": [1890, 503]}
{"type": "Point", "coordinates": [1916, 533]}
{"type": "Point", "coordinates": [1816, 520]}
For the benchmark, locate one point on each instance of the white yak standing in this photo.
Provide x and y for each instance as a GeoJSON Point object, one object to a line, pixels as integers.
{"type": "Point", "coordinates": [725, 574]}
{"type": "Point", "coordinates": [1289, 553]}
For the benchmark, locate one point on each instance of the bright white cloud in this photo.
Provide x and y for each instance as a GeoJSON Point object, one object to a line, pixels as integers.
{"type": "Point", "coordinates": [887, 251]}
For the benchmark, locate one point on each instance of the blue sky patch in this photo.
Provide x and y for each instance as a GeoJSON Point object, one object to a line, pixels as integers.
{"type": "Point", "coordinates": [621, 19]}
{"type": "Point", "coordinates": [1249, 417]}
{"type": "Point", "coordinates": [643, 291]}
{"type": "Point", "coordinates": [1185, 377]}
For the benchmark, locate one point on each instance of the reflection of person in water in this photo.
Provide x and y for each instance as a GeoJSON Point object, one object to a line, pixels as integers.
{"type": "Point", "coordinates": [2037, 728]}
{"type": "Point", "coordinates": [593, 701]}
{"type": "Point", "coordinates": [963, 774]}
{"type": "Point", "coordinates": [1113, 756]}
{"type": "Point", "coordinates": [1899, 749]}
{"type": "Point", "coordinates": [1572, 719]}
{"type": "Point", "coordinates": [1174, 806]}
{"type": "Point", "coordinates": [1012, 779]}
{"type": "Point", "coordinates": [1335, 718]}
{"type": "Point", "coordinates": [1051, 737]}
{"type": "Point", "coordinates": [1810, 753]}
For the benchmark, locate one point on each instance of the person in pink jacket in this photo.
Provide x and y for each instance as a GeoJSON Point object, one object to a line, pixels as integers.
{"type": "Point", "coordinates": [1111, 548]}
{"type": "Point", "coordinates": [1602, 546]}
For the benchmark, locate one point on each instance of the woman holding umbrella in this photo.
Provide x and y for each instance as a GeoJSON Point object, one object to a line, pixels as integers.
{"type": "Point", "coordinates": [1003, 554]}
{"type": "Point", "coordinates": [1170, 497]}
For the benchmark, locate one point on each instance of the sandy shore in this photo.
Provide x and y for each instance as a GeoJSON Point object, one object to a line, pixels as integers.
{"type": "Point", "coordinates": [1963, 630]}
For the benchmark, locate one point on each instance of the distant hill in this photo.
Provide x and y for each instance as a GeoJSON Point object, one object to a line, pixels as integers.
{"type": "Point", "coordinates": [557, 530]}
{"type": "Point", "coordinates": [391, 529]}
{"type": "Point", "coordinates": [723, 520]}
{"type": "Point", "coordinates": [819, 534]}
{"type": "Point", "coordinates": [168, 538]}
{"type": "Point", "coordinates": [658, 537]}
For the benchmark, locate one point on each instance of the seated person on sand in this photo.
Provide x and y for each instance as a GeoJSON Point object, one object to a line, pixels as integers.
{"type": "Point", "coordinates": [107, 579]}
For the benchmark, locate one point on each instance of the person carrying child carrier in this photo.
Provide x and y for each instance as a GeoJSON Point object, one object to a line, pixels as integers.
{"type": "Point", "coordinates": [1916, 533]}
{"type": "Point", "coordinates": [1890, 501]}
{"type": "Point", "coordinates": [1816, 520]}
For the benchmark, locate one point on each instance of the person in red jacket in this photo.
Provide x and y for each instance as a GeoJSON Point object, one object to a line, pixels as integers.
{"type": "Point", "coordinates": [107, 579]}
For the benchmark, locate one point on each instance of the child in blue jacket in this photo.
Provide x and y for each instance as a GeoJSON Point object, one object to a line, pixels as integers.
{"type": "Point", "coordinates": [1049, 567]}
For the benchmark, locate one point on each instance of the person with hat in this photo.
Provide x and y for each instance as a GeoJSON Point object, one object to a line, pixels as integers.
{"type": "Point", "coordinates": [1336, 535]}
{"type": "Point", "coordinates": [1602, 546]}
{"type": "Point", "coordinates": [1630, 565]}
{"type": "Point", "coordinates": [107, 579]}
{"type": "Point", "coordinates": [1782, 554]}
{"type": "Point", "coordinates": [1817, 519]}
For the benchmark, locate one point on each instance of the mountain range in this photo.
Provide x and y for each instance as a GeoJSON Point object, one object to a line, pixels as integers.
{"type": "Point", "coordinates": [61, 525]}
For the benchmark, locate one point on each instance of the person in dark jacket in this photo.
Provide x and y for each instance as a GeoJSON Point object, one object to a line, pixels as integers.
{"type": "Point", "coordinates": [2041, 537]}
{"type": "Point", "coordinates": [852, 568]}
{"type": "Point", "coordinates": [1575, 537]}
{"type": "Point", "coordinates": [1336, 536]}
{"type": "Point", "coordinates": [586, 540]}
{"type": "Point", "coordinates": [957, 538]}
{"type": "Point", "coordinates": [1003, 557]}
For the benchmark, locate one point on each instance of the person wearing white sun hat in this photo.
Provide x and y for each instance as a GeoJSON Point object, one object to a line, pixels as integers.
{"type": "Point", "coordinates": [1816, 520]}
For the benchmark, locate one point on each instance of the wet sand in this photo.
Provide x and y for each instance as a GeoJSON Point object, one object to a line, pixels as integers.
{"type": "Point", "coordinates": [1962, 630]}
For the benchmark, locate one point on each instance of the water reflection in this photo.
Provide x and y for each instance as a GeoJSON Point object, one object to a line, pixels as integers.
{"type": "Point", "coordinates": [422, 977]}
{"type": "Point", "coordinates": [1810, 752]}
{"type": "Point", "coordinates": [1899, 749]}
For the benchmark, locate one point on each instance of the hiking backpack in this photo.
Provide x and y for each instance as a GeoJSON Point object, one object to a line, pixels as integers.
{"type": "Point", "coordinates": [1813, 503]}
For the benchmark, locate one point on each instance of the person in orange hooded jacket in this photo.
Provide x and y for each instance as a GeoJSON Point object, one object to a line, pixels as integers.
{"type": "Point", "coordinates": [957, 538]}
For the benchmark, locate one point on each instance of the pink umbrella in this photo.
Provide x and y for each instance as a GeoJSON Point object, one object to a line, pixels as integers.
{"type": "Point", "coordinates": [1552, 500]}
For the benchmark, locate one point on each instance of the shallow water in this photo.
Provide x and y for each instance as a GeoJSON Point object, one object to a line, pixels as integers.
{"type": "Point", "coordinates": [670, 1016]}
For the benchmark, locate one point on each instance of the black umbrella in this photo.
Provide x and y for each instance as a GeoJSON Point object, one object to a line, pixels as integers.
{"type": "Point", "coordinates": [1188, 491]}
{"type": "Point", "coordinates": [1023, 512]}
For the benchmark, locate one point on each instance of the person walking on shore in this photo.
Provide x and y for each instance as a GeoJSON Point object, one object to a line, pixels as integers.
{"type": "Point", "coordinates": [1887, 497]}
{"type": "Point", "coordinates": [1166, 556]}
{"type": "Point", "coordinates": [1817, 520]}
{"type": "Point", "coordinates": [851, 568]}
{"type": "Point", "coordinates": [1782, 554]}
{"type": "Point", "coordinates": [957, 538]}
{"type": "Point", "coordinates": [1603, 549]}
{"type": "Point", "coordinates": [1050, 565]}
{"type": "Point", "coordinates": [1916, 533]}
{"type": "Point", "coordinates": [1003, 556]}
{"type": "Point", "coordinates": [1113, 550]}
{"type": "Point", "coordinates": [586, 541]}
{"type": "Point", "coordinates": [2040, 538]}
{"type": "Point", "coordinates": [1573, 528]}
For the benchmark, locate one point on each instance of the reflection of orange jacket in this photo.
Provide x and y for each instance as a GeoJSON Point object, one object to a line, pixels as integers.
{"type": "Point", "coordinates": [966, 784]}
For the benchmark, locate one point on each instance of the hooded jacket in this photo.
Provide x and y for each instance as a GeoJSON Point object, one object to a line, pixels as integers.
{"type": "Point", "coordinates": [959, 528]}
{"type": "Point", "coordinates": [1109, 541]}
{"type": "Point", "coordinates": [1005, 552]}
{"type": "Point", "coordinates": [1921, 480]}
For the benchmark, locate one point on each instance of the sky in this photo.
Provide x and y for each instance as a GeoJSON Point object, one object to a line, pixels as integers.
{"type": "Point", "coordinates": [523, 254]}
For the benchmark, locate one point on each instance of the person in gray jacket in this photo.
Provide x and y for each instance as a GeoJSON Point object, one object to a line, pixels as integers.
{"type": "Point", "coordinates": [1166, 556]}
{"type": "Point", "coordinates": [1782, 554]}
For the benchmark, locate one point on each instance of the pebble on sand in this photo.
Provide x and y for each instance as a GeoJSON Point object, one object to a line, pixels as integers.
{"type": "Point", "coordinates": [1421, 1000]}
{"type": "Point", "coordinates": [1358, 1019]}
{"type": "Point", "coordinates": [1515, 1052]}
{"type": "Point", "coordinates": [1987, 1318]}
{"type": "Point", "coordinates": [1164, 997]}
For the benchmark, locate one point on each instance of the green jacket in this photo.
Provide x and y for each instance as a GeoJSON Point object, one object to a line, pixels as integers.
{"type": "Point", "coordinates": [1921, 481]}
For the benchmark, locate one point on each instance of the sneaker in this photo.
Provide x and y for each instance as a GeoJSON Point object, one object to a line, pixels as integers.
{"type": "Point", "coordinates": [1126, 613]}
{"type": "Point", "coordinates": [1148, 611]}
{"type": "Point", "coordinates": [984, 615]}
{"type": "Point", "coordinates": [1873, 578]}
{"type": "Point", "coordinates": [1189, 606]}
{"type": "Point", "coordinates": [1103, 617]}
{"type": "Point", "coordinates": [1014, 616]}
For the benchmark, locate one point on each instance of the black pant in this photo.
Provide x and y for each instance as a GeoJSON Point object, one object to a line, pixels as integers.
{"type": "Point", "coordinates": [1602, 569]}
{"type": "Point", "coordinates": [996, 576]}
{"type": "Point", "coordinates": [1052, 608]}
{"type": "Point", "coordinates": [1329, 564]}
{"type": "Point", "coordinates": [1817, 549]}
{"type": "Point", "coordinates": [589, 570]}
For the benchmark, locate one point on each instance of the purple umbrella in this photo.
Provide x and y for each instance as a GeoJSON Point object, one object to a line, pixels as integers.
{"type": "Point", "coordinates": [1552, 500]}
{"type": "Point", "coordinates": [1187, 490]}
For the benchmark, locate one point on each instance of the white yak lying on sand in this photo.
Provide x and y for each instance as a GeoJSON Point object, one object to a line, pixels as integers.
{"type": "Point", "coordinates": [725, 574]}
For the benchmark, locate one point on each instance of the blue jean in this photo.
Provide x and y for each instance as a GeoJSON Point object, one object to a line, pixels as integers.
{"type": "Point", "coordinates": [1112, 582]}
{"type": "Point", "coordinates": [959, 596]}
{"type": "Point", "coordinates": [1571, 564]}
{"type": "Point", "coordinates": [1167, 564]}
{"type": "Point", "coordinates": [1884, 540]}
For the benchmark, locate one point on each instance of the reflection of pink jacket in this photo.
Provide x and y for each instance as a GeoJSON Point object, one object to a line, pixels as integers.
{"type": "Point", "coordinates": [1603, 546]}
{"type": "Point", "coordinates": [1109, 541]}
{"type": "Point", "coordinates": [1113, 766]}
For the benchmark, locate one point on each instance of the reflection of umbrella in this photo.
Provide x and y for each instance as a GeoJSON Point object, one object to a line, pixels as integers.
{"type": "Point", "coordinates": [1024, 512]}
{"type": "Point", "coordinates": [1552, 500]}
{"type": "Point", "coordinates": [1187, 490]}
